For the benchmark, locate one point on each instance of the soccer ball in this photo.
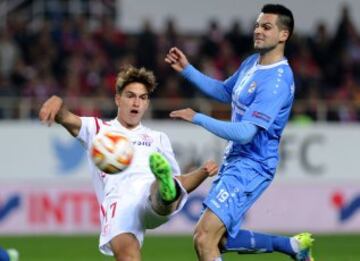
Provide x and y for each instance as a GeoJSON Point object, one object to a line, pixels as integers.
{"type": "Point", "coordinates": [111, 152]}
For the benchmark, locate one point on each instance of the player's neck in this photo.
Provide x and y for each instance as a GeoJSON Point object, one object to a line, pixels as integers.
{"type": "Point", "coordinates": [271, 57]}
{"type": "Point", "coordinates": [127, 125]}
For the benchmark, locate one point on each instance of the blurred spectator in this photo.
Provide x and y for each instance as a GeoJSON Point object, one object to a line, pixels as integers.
{"type": "Point", "coordinates": [320, 44]}
{"type": "Point", "coordinates": [306, 71]}
{"type": "Point", "coordinates": [9, 52]}
{"type": "Point", "coordinates": [111, 39]}
{"type": "Point", "coordinates": [240, 42]}
{"type": "Point", "coordinates": [78, 54]}
{"type": "Point", "coordinates": [211, 39]}
{"type": "Point", "coordinates": [147, 46]}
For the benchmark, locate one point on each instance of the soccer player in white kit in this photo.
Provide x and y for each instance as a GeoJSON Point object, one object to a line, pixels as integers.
{"type": "Point", "coordinates": [146, 194]}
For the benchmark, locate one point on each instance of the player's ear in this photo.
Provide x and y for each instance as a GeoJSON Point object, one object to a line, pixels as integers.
{"type": "Point", "coordinates": [117, 99]}
{"type": "Point", "coordinates": [284, 35]}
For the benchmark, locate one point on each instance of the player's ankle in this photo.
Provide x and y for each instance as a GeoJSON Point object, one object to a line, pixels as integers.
{"type": "Point", "coordinates": [175, 198]}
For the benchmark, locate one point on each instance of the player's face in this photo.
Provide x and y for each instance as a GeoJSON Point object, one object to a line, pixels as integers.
{"type": "Point", "coordinates": [132, 102]}
{"type": "Point", "coordinates": [267, 34]}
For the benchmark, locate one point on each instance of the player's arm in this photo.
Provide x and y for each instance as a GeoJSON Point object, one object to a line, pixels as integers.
{"type": "Point", "coordinates": [54, 110]}
{"type": "Point", "coordinates": [218, 90]}
{"type": "Point", "coordinates": [242, 132]}
{"type": "Point", "coordinates": [193, 179]}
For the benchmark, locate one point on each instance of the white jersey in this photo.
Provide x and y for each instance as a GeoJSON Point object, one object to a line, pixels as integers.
{"type": "Point", "coordinates": [145, 140]}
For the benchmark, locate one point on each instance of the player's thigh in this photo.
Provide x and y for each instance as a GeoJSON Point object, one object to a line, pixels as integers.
{"type": "Point", "coordinates": [126, 247]}
{"type": "Point", "coordinates": [209, 228]}
{"type": "Point", "coordinates": [233, 193]}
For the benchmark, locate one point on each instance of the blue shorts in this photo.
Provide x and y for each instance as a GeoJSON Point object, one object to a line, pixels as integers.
{"type": "Point", "coordinates": [234, 191]}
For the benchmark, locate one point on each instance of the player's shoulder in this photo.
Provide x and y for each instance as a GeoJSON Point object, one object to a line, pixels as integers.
{"type": "Point", "coordinates": [96, 123]}
{"type": "Point", "coordinates": [280, 71]}
{"type": "Point", "coordinates": [285, 70]}
{"type": "Point", "coordinates": [156, 135]}
{"type": "Point", "coordinates": [251, 60]}
{"type": "Point", "coordinates": [150, 131]}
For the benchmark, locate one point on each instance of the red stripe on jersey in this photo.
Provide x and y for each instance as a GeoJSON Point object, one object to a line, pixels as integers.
{"type": "Point", "coordinates": [97, 125]}
{"type": "Point", "coordinates": [105, 123]}
{"type": "Point", "coordinates": [103, 212]}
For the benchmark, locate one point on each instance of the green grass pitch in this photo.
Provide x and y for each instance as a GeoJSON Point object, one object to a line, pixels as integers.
{"type": "Point", "coordinates": [161, 248]}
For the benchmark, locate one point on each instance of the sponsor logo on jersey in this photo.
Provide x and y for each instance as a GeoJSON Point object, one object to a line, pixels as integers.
{"type": "Point", "coordinates": [261, 116]}
{"type": "Point", "coordinates": [145, 140]}
{"type": "Point", "coordinates": [252, 87]}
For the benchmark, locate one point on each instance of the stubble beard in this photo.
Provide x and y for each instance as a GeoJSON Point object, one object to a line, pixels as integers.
{"type": "Point", "coordinates": [264, 50]}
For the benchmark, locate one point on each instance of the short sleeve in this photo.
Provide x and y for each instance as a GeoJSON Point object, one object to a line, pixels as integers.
{"type": "Point", "coordinates": [167, 150]}
{"type": "Point", "coordinates": [87, 131]}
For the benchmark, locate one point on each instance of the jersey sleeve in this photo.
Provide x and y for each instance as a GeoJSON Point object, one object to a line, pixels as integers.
{"type": "Point", "coordinates": [218, 90]}
{"type": "Point", "coordinates": [269, 100]}
{"type": "Point", "coordinates": [167, 151]}
{"type": "Point", "coordinates": [88, 130]}
{"type": "Point", "coordinates": [242, 132]}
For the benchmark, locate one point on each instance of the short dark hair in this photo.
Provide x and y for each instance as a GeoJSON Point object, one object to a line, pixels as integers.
{"type": "Point", "coordinates": [286, 18]}
{"type": "Point", "coordinates": [131, 74]}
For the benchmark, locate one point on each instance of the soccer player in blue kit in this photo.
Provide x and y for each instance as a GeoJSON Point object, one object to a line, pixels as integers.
{"type": "Point", "coordinates": [261, 94]}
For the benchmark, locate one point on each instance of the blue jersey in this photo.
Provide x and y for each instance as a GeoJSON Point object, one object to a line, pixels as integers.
{"type": "Point", "coordinates": [262, 95]}
{"type": "Point", "coordinates": [259, 94]}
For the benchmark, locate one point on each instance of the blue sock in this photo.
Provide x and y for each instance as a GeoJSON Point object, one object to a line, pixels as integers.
{"type": "Point", "coordinates": [250, 242]}
{"type": "Point", "coordinates": [282, 244]}
{"type": "Point", "coordinates": [4, 256]}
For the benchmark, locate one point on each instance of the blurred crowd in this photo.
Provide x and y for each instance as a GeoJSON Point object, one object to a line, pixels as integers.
{"type": "Point", "coordinates": [77, 59]}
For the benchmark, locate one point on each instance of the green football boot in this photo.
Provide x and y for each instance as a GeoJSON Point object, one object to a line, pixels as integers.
{"type": "Point", "coordinates": [305, 241]}
{"type": "Point", "coordinates": [161, 169]}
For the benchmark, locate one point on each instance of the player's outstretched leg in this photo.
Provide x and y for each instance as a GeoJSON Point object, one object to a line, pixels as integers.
{"type": "Point", "coordinates": [305, 242]}
{"type": "Point", "coordinates": [161, 169]}
{"type": "Point", "coordinates": [298, 247]}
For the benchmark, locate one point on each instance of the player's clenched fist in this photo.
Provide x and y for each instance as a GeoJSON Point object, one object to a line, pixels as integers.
{"type": "Point", "coordinates": [177, 59]}
{"type": "Point", "coordinates": [210, 167]}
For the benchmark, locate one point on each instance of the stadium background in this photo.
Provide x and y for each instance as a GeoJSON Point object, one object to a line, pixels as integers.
{"type": "Point", "coordinates": [74, 48]}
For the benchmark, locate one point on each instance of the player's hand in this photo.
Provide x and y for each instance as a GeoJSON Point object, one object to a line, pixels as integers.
{"type": "Point", "coordinates": [185, 114]}
{"type": "Point", "coordinates": [177, 59]}
{"type": "Point", "coordinates": [210, 167]}
{"type": "Point", "coordinates": [50, 109]}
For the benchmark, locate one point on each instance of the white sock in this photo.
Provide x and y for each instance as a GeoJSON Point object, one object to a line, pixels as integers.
{"type": "Point", "coordinates": [219, 258]}
{"type": "Point", "coordinates": [295, 245]}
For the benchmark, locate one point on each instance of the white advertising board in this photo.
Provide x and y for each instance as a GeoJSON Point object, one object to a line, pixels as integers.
{"type": "Point", "coordinates": [317, 153]}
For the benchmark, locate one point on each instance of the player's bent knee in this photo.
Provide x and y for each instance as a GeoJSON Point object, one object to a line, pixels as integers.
{"type": "Point", "coordinates": [127, 254]}
{"type": "Point", "coordinates": [201, 238]}
{"type": "Point", "coordinates": [126, 257]}
{"type": "Point", "coordinates": [126, 248]}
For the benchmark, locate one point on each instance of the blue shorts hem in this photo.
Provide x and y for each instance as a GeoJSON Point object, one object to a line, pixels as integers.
{"type": "Point", "coordinates": [217, 213]}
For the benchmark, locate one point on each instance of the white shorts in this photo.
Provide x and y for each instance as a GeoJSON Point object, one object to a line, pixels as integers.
{"type": "Point", "coordinates": [130, 212]}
